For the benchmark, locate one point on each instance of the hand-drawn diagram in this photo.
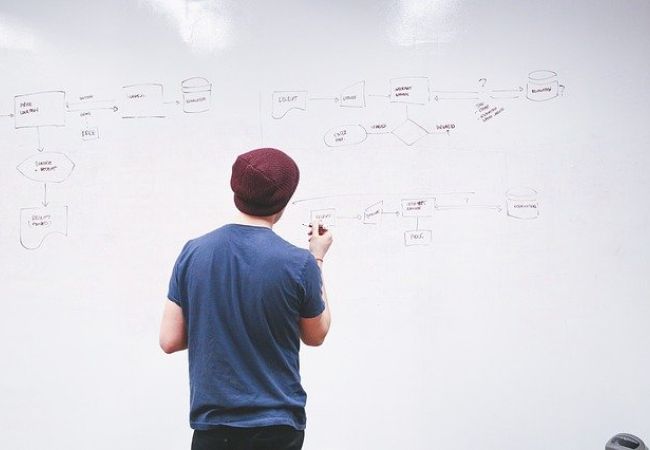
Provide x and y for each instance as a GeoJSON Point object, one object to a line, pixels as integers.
{"type": "Point", "coordinates": [407, 91]}
{"type": "Point", "coordinates": [520, 203]}
{"type": "Point", "coordinates": [38, 223]}
{"type": "Point", "coordinates": [411, 90]}
{"type": "Point", "coordinates": [49, 109]}
{"type": "Point", "coordinates": [285, 101]}
{"type": "Point", "coordinates": [47, 167]}
{"type": "Point", "coordinates": [143, 101]}
{"type": "Point", "coordinates": [197, 94]}
{"type": "Point", "coordinates": [542, 85]}
{"type": "Point", "coordinates": [40, 109]}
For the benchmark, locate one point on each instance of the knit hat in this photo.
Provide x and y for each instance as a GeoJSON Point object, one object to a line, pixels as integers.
{"type": "Point", "coordinates": [263, 181]}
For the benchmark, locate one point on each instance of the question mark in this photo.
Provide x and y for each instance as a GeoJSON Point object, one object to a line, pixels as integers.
{"type": "Point", "coordinates": [484, 80]}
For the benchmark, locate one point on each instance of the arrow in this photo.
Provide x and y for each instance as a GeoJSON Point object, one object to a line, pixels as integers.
{"type": "Point", "coordinates": [357, 217]}
{"type": "Point", "coordinates": [456, 92]}
{"type": "Point", "coordinates": [38, 132]}
{"type": "Point", "coordinates": [390, 213]}
{"type": "Point", "coordinates": [335, 99]}
{"type": "Point", "coordinates": [497, 207]}
{"type": "Point", "coordinates": [6, 115]}
{"type": "Point", "coordinates": [45, 202]}
{"type": "Point", "coordinates": [76, 107]}
{"type": "Point", "coordinates": [378, 95]}
{"type": "Point", "coordinates": [519, 89]}
{"type": "Point", "coordinates": [178, 102]}
{"type": "Point", "coordinates": [437, 98]}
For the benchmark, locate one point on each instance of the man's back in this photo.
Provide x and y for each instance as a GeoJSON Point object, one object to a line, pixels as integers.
{"type": "Point", "coordinates": [243, 290]}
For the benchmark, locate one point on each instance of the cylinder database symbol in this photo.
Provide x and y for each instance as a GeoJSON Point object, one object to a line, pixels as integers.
{"type": "Point", "coordinates": [197, 92]}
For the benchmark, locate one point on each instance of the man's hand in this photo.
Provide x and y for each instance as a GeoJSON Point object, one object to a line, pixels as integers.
{"type": "Point", "coordinates": [319, 241]}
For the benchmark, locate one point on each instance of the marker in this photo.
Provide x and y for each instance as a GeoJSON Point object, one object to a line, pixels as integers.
{"type": "Point", "coordinates": [321, 228]}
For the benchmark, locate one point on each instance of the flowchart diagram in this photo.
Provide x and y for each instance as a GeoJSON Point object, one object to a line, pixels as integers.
{"type": "Point", "coordinates": [44, 109]}
{"type": "Point", "coordinates": [520, 203]}
{"type": "Point", "coordinates": [541, 86]}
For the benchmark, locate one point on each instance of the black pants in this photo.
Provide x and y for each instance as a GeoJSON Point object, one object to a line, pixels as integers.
{"type": "Point", "coordinates": [280, 437]}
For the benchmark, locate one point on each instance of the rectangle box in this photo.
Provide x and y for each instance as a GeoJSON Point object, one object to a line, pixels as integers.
{"type": "Point", "coordinates": [413, 90]}
{"type": "Point", "coordinates": [40, 109]}
{"type": "Point", "coordinates": [417, 237]}
{"type": "Point", "coordinates": [327, 217]}
{"type": "Point", "coordinates": [417, 207]}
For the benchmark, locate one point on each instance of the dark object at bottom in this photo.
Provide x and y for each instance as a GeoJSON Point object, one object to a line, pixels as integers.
{"type": "Point", "coordinates": [624, 441]}
{"type": "Point", "coordinates": [278, 437]}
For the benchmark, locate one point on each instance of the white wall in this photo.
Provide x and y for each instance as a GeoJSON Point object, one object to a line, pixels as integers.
{"type": "Point", "coordinates": [500, 333]}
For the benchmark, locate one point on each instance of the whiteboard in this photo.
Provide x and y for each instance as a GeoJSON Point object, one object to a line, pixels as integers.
{"type": "Point", "coordinates": [483, 167]}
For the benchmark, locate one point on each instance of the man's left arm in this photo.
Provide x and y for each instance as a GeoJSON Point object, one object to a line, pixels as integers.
{"type": "Point", "coordinates": [173, 333]}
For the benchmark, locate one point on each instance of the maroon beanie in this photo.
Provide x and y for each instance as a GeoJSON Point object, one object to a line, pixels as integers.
{"type": "Point", "coordinates": [263, 181]}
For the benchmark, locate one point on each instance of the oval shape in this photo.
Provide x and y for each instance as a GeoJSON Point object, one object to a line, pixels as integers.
{"type": "Point", "coordinates": [345, 135]}
{"type": "Point", "coordinates": [47, 167]}
{"type": "Point", "coordinates": [542, 75]}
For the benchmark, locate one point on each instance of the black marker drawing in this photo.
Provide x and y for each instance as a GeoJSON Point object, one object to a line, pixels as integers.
{"type": "Point", "coordinates": [522, 203]}
{"type": "Point", "coordinates": [345, 135]}
{"type": "Point", "coordinates": [285, 101]}
{"type": "Point", "coordinates": [106, 105]}
{"type": "Point", "coordinates": [39, 109]}
{"type": "Point", "coordinates": [418, 237]}
{"type": "Point", "coordinates": [197, 95]}
{"type": "Point", "coordinates": [143, 101]}
{"type": "Point", "coordinates": [373, 213]}
{"type": "Point", "coordinates": [353, 96]}
{"type": "Point", "coordinates": [327, 217]}
{"type": "Point", "coordinates": [413, 90]}
{"type": "Point", "coordinates": [543, 85]}
{"type": "Point", "coordinates": [36, 224]}
{"type": "Point", "coordinates": [47, 167]}
{"type": "Point", "coordinates": [410, 132]}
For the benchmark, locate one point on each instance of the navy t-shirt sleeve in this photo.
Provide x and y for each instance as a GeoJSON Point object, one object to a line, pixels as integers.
{"type": "Point", "coordinates": [177, 289]}
{"type": "Point", "coordinates": [312, 303]}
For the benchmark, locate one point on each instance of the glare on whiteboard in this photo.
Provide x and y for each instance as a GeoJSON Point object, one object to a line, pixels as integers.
{"type": "Point", "coordinates": [15, 36]}
{"type": "Point", "coordinates": [203, 25]}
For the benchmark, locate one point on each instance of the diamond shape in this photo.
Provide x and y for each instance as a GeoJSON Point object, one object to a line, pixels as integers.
{"type": "Point", "coordinates": [410, 132]}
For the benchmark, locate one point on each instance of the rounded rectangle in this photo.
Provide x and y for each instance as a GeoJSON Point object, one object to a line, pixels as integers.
{"type": "Point", "coordinates": [522, 203]}
{"type": "Point", "coordinates": [142, 101]}
{"type": "Point", "coordinates": [417, 237]}
{"type": "Point", "coordinates": [40, 109]}
{"type": "Point", "coordinates": [197, 93]}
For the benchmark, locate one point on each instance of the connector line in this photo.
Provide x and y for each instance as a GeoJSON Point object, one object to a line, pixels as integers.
{"type": "Point", "coordinates": [38, 134]}
{"type": "Point", "coordinates": [334, 99]}
{"type": "Point", "coordinates": [88, 106]}
{"type": "Point", "coordinates": [384, 194]}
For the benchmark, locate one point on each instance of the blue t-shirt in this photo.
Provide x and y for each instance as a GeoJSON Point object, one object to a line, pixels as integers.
{"type": "Point", "coordinates": [243, 290]}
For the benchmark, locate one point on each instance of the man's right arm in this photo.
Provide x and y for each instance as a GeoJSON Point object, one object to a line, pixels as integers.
{"type": "Point", "coordinates": [314, 329]}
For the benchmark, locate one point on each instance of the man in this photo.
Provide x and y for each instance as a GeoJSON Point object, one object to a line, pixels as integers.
{"type": "Point", "coordinates": [240, 300]}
